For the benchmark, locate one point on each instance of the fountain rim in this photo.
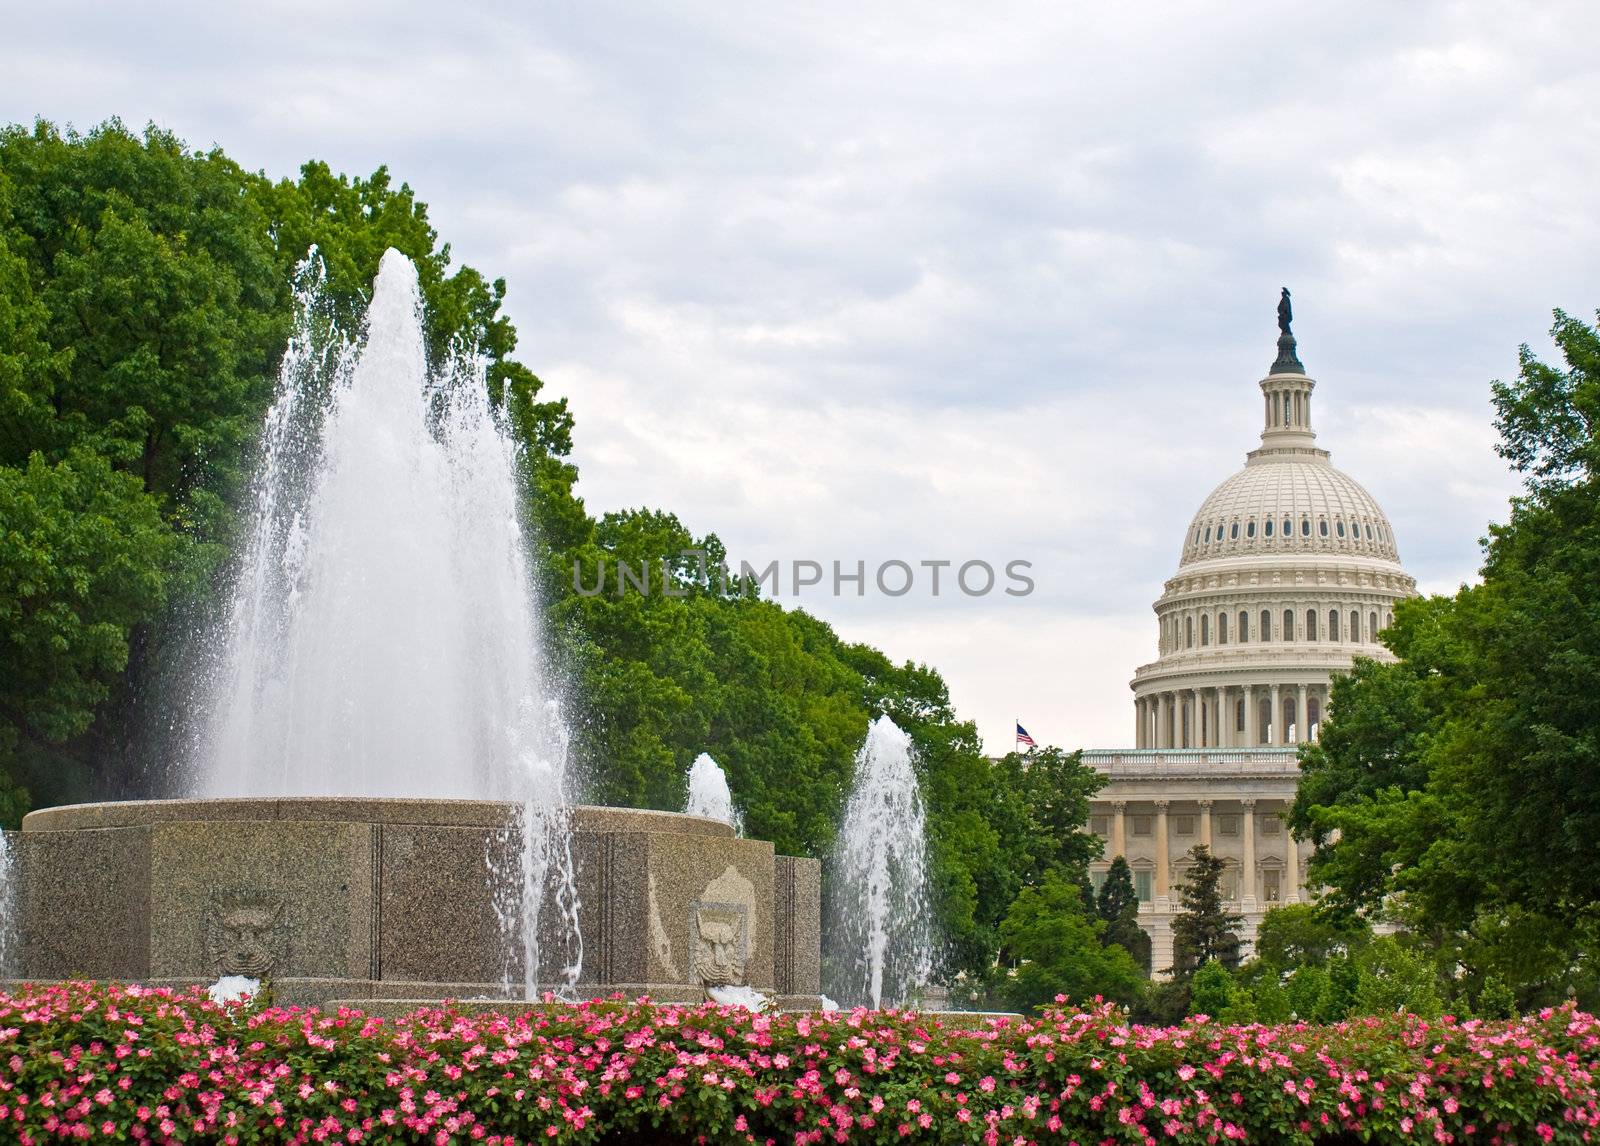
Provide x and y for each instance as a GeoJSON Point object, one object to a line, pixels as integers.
{"type": "Point", "coordinates": [421, 811]}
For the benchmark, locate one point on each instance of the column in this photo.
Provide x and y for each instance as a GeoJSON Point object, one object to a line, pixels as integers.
{"type": "Point", "coordinates": [1224, 719]}
{"type": "Point", "coordinates": [1299, 712]}
{"type": "Point", "coordinates": [1157, 735]}
{"type": "Point", "coordinates": [1138, 722]}
{"type": "Point", "coordinates": [1275, 726]}
{"type": "Point", "coordinates": [1205, 822]}
{"type": "Point", "coordinates": [1250, 717]}
{"type": "Point", "coordinates": [1247, 885]}
{"type": "Point", "coordinates": [1119, 833]}
{"type": "Point", "coordinates": [1163, 860]}
{"type": "Point", "coordinates": [1291, 862]}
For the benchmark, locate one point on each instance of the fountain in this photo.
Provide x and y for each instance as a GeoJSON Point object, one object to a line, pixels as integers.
{"type": "Point", "coordinates": [381, 803]}
{"type": "Point", "coordinates": [880, 941]}
{"type": "Point", "coordinates": [708, 793]}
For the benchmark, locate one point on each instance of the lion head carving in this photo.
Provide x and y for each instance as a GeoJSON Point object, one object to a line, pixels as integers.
{"type": "Point", "coordinates": [721, 947]}
{"type": "Point", "coordinates": [247, 933]}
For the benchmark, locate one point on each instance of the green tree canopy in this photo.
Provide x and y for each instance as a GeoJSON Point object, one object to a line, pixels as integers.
{"type": "Point", "coordinates": [1204, 929]}
{"type": "Point", "coordinates": [1458, 790]}
{"type": "Point", "coordinates": [1292, 935]}
{"type": "Point", "coordinates": [1057, 949]}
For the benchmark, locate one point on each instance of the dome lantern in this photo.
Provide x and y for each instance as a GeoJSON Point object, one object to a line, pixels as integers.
{"type": "Point", "coordinates": [1287, 394]}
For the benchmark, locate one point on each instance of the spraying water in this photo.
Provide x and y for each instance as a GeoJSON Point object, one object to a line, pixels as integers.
{"type": "Point", "coordinates": [382, 634]}
{"type": "Point", "coordinates": [9, 936]}
{"type": "Point", "coordinates": [709, 795]}
{"type": "Point", "coordinates": [881, 941]}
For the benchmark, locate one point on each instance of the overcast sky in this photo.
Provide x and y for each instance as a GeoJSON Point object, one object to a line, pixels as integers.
{"type": "Point", "coordinates": [946, 281]}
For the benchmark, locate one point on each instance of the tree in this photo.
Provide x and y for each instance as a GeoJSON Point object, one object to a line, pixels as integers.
{"type": "Point", "coordinates": [1056, 949]}
{"type": "Point", "coordinates": [83, 553]}
{"type": "Point", "coordinates": [1214, 993]}
{"type": "Point", "coordinates": [1459, 790]}
{"type": "Point", "coordinates": [1118, 908]}
{"type": "Point", "coordinates": [1392, 977]}
{"type": "Point", "coordinates": [1292, 935]}
{"type": "Point", "coordinates": [1204, 929]}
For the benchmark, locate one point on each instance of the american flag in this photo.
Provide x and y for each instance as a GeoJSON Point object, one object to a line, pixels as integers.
{"type": "Point", "coordinates": [1023, 737]}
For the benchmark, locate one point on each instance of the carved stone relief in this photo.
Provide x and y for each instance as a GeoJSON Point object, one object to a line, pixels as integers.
{"type": "Point", "coordinates": [246, 932]}
{"type": "Point", "coordinates": [720, 941]}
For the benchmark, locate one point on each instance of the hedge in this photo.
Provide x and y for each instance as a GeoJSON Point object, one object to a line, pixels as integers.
{"type": "Point", "coordinates": [125, 1063]}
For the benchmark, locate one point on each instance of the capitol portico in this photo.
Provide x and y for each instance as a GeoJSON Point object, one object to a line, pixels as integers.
{"type": "Point", "coordinates": [1287, 573]}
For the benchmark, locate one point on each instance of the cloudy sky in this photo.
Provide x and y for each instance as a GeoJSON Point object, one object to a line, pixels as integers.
{"type": "Point", "coordinates": [946, 281]}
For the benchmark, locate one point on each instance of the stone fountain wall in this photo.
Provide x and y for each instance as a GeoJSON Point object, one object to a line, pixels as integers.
{"type": "Point", "coordinates": [355, 899]}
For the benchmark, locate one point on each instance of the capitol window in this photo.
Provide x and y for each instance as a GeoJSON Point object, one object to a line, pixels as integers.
{"type": "Point", "coordinates": [1271, 825]}
{"type": "Point", "coordinates": [1372, 627]}
{"type": "Point", "coordinates": [1288, 528]}
{"type": "Point", "coordinates": [1266, 625]}
{"type": "Point", "coordinates": [1311, 624]}
{"type": "Point", "coordinates": [1142, 881]}
{"type": "Point", "coordinates": [1341, 528]}
{"type": "Point", "coordinates": [1322, 527]}
{"type": "Point", "coordinates": [1208, 534]}
{"type": "Point", "coordinates": [1222, 628]}
{"type": "Point", "coordinates": [1305, 527]}
{"type": "Point", "coordinates": [1205, 628]}
{"type": "Point", "coordinates": [1233, 532]}
{"type": "Point", "coordinates": [1099, 825]}
{"type": "Point", "coordinates": [1250, 528]}
{"type": "Point", "coordinates": [1183, 825]}
{"type": "Point", "coordinates": [1355, 625]}
{"type": "Point", "coordinates": [1142, 825]}
{"type": "Point", "coordinates": [1270, 884]}
{"type": "Point", "coordinates": [1288, 624]}
{"type": "Point", "coordinates": [1369, 531]}
{"type": "Point", "coordinates": [1188, 632]}
{"type": "Point", "coordinates": [1268, 524]}
{"type": "Point", "coordinates": [1244, 626]}
{"type": "Point", "coordinates": [1333, 624]}
{"type": "Point", "coordinates": [1228, 824]}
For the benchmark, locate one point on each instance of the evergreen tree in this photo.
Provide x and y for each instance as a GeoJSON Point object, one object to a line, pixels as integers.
{"type": "Point", "coordinates": [1118, 906]}
{"type": "Point", "coordinates": [1204, 929]}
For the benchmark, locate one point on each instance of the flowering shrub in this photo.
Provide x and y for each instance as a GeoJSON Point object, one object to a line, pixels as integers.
{"type": "Point", "coordinates": [87, 1062]}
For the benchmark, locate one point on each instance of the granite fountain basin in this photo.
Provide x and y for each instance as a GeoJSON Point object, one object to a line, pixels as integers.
{"type": "Point", "coordinates": [387, 899]}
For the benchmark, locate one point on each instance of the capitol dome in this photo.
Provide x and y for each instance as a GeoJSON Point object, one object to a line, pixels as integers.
{"type": "Point", "coordinates": [1284, 505]}
{"type": "Point", "coordinates": [1287, 573]}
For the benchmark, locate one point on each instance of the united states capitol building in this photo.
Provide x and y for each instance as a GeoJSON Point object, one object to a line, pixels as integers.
{"type": "Point", "coordinates": [1287, 573]}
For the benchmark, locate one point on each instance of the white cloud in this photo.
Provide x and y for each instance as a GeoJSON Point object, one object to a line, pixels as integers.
{"type": "Point", "coordinates": [944, 280]}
